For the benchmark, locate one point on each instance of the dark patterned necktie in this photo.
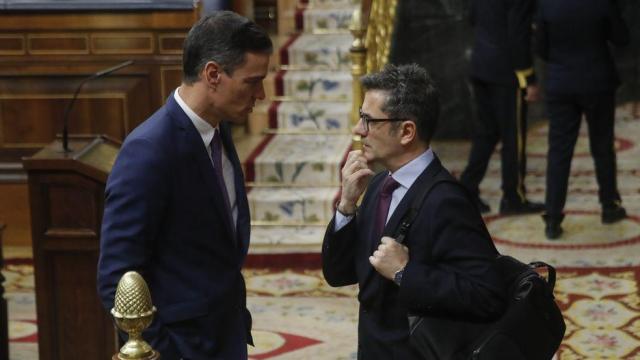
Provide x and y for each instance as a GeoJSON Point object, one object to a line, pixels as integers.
{"type": "Point", "coordinates": [216, 155]}
{"type": "Point", "coordinates": [384, 201]}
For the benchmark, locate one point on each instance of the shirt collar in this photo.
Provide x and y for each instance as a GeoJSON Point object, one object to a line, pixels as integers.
{"type": "Point", "coordinates": [410, 171]}
{"type": "Point", "coordinates": [205, 129]}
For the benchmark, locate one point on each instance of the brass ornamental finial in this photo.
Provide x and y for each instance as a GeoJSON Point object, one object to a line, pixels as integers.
{"type": "Point", "coordinates": [133, 313]}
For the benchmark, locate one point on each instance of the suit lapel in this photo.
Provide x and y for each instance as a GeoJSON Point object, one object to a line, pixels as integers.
{"type": "Point", "coordinates": [243, 223]}
{"type": "Point", "coordinates": [198, 151]}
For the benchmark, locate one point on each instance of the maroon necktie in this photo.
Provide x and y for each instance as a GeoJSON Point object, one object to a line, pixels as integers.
{"type": "Point", "coordinates": [216, 155]}
{"type": "Point", "coordinates": [384, 200]}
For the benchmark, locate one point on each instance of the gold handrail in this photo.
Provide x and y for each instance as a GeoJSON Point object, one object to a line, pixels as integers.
{"type": "Point", "coordinates": [372, 27]}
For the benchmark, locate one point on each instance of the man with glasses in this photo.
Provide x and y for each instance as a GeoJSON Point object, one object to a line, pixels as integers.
{"type": "Point", "coordinates": [446, 267]}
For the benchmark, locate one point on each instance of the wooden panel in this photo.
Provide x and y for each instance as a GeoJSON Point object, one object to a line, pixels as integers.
{"type": "Point", "coordinates": [170, 78]}
{"type": "Point", "coordinates": [72, 324]}
{"type": "Point", "coordinates": [122, 43]}
{"type": "Point", "coordinates": [84, 317]}
{"type": "Point", "coordinates": [171, 43]}
{"type": "Point", "coordinates": [111, 106]}
{"type": "Point", "coordinates": [12, 45]}
{"type": "Point", "coordinates": [59, 44]}
{"type": "Point", "coordinates": [95, 20]}
{"type": "Point", "coordinates": [34, 122]}
{"type": "Point", "coordinates": [71, 207]}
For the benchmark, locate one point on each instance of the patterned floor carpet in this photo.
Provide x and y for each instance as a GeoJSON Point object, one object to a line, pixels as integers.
{"type": "Point", "coordinates": [298, 316]}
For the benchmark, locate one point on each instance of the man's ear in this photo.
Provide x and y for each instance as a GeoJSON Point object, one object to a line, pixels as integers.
{"type": "Point", "coordinates": [408, 132]}
{"type": "Point", "coordinates": [211, 73]}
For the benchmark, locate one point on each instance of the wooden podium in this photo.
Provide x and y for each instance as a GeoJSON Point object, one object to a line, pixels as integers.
{"type": "Point", "coordinates": [66, 192]}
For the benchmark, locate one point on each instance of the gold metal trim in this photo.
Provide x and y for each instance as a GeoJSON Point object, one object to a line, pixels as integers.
{"type": "Point", "coordinates": [84, 37]}
{"type": "Point", "coordinates": [23, 49]}
{"type": "Point", "coordinates": [522, 76]}
{"type": "Point", "coordinates": [118, 36]}
{"type": "Point", "coordinates": [162, 37]}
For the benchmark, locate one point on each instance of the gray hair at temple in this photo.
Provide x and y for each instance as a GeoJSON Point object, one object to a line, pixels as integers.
{"type": "Point", "coordinates": [411, 94]}
{"type": "Point", "coordinates": [224, 37]}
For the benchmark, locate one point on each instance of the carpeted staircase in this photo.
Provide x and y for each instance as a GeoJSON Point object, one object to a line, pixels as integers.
{"type": "Point", "coordinates": [294, 172]}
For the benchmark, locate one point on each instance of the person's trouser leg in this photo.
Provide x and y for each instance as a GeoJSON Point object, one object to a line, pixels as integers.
{"type": "Point", "coordinates": [485, 137]}
{"type": "Point", "coordinates": [512, 111]}
{"type": "Point", "coordinates": [564, 125]}
{"type": "Point", "coordinates": [600, 114]}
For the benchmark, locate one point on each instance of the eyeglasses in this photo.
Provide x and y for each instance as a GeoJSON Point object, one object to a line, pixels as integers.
{"type": "Point", "coordinates": [366, 119]}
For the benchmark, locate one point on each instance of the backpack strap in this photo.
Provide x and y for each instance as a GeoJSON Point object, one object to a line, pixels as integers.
{"type": "Point", "coordinates": [551, 272]}
{"type": "Point", "coordinates": [412, 213]}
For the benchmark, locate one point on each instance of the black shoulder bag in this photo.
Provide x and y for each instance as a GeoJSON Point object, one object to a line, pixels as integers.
{"type": "Point", "coordinates": [531, 327]}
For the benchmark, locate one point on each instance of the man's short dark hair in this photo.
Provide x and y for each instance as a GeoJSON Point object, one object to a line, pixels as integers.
{"type": "Point", "coordinates": [224, 37]}
{"type": "Point", "coordinates": [411, 94]}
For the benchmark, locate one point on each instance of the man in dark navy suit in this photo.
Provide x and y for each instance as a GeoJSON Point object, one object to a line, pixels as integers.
{"type": "Point", "coordinates": [176, 208]}
{"type": "Point", "coordinates": [503, 81]}
{"type": "Point", "coordinates": [573, 37]}
{"type": "Point", "coordinates": [446, 270]}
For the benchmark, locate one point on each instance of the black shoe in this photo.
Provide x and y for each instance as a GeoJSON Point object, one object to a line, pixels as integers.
{"type": "Point", "coordinates": [552, 228]}
{"type": "Point", "coordinates": [612, 214]}
{"type": "Point", "coordinates": [508, 207]}
{"type": "Point", "coordinates": [482, 206]}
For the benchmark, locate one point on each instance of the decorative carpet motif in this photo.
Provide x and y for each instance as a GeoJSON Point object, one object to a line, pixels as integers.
{"type": "Point", "coordinates": [298, 316]}
{"type": "Point", "coordinates": [317, 20]}
{"type": "Point", "coordinates": [316, 85]}
{"type": "Point", "coordinates": [602, 313]}
{"type": "Point", "coordinates": [317, 116]}
{"type": "Point", "coordinates": [292, 206]}
{"type": "Point", "coordinates": [317, 160]}
{"type": "Point", "coordinates": [321, 51]}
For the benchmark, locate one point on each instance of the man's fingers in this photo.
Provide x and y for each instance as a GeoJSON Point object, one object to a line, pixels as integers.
{"type": "Point", "coordinates": [353, 156]}
{"type": "Point", "coordinates": [374, 261]}
{"type": "Point", "coordinates": [387, 240]}
{"type": "Point", "coordinates": [362, 173]}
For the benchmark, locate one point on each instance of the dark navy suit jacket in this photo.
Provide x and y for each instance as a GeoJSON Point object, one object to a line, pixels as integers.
{"type": "Point", "coordinates": [449, 273]}
{"type": "Point", "coordinates": [165, 218]}
{"type": "Point", "coordinates": [573, 37]}
{"type": "Point", "coordinates": [502, 40]}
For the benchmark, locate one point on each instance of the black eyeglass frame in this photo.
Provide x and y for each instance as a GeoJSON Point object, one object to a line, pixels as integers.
{"type": "Point", "coordinates": [366, 119]}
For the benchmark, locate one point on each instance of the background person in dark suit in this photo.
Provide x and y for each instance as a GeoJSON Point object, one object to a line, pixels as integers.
{"type": "Point", "coordinates": [573, 37]}
{"type": "Point", "coordinates": [503, 80]}
{"type": "Point", "coordinates": [446, 269]}
{"type": "Point", "coordinates": [176, 208]}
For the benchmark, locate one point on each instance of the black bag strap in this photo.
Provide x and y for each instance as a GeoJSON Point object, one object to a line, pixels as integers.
{"type": "Point", "coordinates": [551, 272]}
{"type": "Point", "coordinates": [412, 213]}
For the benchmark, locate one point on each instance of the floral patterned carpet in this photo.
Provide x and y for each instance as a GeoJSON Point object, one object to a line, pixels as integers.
{"type": "Point", "coordinates": [297, 316]}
